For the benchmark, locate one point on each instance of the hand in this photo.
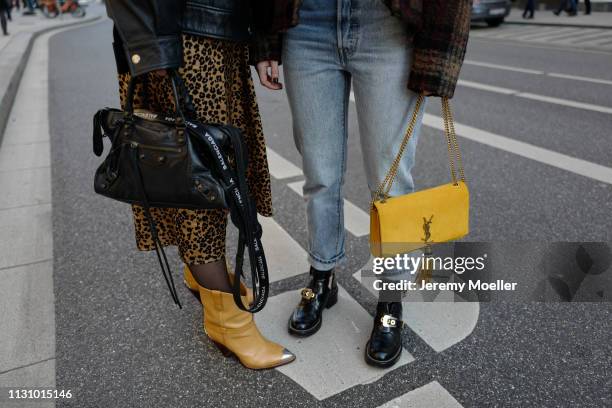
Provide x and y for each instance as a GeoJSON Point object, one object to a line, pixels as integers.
{"type": "Point", "coordinates": [268, 74]}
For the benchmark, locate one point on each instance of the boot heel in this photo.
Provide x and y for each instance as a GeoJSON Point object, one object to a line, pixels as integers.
{"type": "Point", "coordinates": [224, 350]}
{"type": "Point", "coordinates": [333, 298]}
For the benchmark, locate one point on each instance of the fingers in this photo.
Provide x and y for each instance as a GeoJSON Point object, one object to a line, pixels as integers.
{"type": "Point", "coordinates": [274, 73]}
{"type": "Point", "coordinates": [262, 72]}
{"type": "Point", "coordinates": [265, 71]}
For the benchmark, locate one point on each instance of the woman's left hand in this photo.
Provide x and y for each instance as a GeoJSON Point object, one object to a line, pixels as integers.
{"type": "Point", "coordinates": [268, 74]}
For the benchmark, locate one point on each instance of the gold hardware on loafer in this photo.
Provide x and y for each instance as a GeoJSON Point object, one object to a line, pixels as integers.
{"type": "Point", "coordinates": [307, 294]}
{"type": "Point", "coordinates": [388, 321]}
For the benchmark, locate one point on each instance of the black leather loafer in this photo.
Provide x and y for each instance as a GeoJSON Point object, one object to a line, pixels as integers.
{"type": "Point", "coordinates": [385, 345]}
{"type": "Point", "coordinates": [321, 293]}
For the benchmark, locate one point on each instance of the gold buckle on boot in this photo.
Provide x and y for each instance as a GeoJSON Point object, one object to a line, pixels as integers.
{"type": "Point", "coordinates": [307, 294]}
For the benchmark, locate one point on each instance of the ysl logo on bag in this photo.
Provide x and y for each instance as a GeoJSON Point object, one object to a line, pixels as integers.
{"type": "Point", "coordinates": [427, 229]}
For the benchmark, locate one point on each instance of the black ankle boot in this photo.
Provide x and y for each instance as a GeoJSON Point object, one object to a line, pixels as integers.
{"type": "Point", "coordinates": [321, 293]}
{"type": "Point", "coordinates": [385, 345]}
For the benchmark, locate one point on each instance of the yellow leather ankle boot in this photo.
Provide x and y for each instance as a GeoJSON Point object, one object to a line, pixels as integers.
{"type": "Point", "coordinates": [234, 332]}
{"type": "Point", "coordinates": [193, 285]}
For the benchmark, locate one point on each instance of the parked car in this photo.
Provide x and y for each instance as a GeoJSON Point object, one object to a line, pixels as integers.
{"type": "Point", "coordinates": [492, 12]}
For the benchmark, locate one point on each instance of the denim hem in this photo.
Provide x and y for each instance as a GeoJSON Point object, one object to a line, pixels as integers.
{"type": "Point", "coordinates": [323, 265]}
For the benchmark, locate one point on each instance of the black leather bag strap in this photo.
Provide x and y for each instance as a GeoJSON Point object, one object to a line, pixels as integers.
{"type": "Point", "coordinates": [243, 215]}
{"type": "Point", "coordinates": [182, 95]}
{"type": "Point", "coordinates": [159, 249]}
{"type": "Point", "coordinates": [182, 101]}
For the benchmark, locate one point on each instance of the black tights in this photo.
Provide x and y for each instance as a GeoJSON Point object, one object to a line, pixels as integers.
{"type": "Point", "coordinates": [212, 275]}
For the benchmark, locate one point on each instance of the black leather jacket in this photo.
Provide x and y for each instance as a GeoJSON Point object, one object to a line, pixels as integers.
{"type": "Point", "coordinates": [148, 32]}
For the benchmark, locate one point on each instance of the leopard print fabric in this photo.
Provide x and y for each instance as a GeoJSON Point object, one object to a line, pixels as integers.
{"type": "Point", "coordinates": [218, 77]}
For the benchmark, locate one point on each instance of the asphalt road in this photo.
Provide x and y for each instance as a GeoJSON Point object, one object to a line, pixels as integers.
{"type": "Point", "coordinates": [120, 341]}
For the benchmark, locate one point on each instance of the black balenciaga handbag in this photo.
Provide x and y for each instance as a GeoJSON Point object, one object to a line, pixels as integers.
{"type": "Point", "coordinates": [175, 161]}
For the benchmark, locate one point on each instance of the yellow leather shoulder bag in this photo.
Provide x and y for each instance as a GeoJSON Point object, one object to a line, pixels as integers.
{"type": "Point", "coordinates": [405, 223]}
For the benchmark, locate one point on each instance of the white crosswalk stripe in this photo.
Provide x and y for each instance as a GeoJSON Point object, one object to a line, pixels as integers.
{"type": "Point", "coordinates": [336, 351]}
{"type": "Point", "coordinates": [332, 360]}
{"type": "Point", "coordinates": [286, 258]}
{"type": "Point", "coordinates": [587, 38]}
{"type": "Point", "coordinates": [429, 395]}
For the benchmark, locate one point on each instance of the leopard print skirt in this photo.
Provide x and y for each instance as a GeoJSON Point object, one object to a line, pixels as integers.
{"type": "Point", "coordinates": [218, 77]}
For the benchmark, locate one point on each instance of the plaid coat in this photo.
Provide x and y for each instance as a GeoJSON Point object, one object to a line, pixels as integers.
{"type": "Point", "coordinates": [441, 29]}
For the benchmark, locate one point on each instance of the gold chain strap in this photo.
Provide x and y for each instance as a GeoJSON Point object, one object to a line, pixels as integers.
{"type": "Point", "coordinates": [450, 123]}
{"type": "Point", "coordinates": [382, 192]}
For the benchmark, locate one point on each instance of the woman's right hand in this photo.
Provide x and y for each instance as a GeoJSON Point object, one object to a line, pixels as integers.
{"type": "Point", "coordinates": [268, 74]}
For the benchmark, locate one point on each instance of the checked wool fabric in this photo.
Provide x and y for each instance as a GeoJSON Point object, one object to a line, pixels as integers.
{"type": "Point", "coordinates": [441, 29]}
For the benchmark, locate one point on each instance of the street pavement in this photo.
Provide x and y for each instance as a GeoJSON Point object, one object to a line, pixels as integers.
{"type": "Point", "coordinates": [534, 127]}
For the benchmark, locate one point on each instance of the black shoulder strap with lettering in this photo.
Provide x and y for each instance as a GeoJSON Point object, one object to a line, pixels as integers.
{"type": "Point", "coordinates": [242, 211]}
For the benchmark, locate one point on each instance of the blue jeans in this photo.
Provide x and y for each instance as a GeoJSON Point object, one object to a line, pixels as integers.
{"type": "Point", "coordinates": [338, 43]}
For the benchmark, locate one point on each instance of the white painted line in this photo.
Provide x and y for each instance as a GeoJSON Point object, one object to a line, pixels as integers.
{"type": "Point", "coordinates": [590, 37]}
{"type": "Point", "coordinates": [502, 67]}
{"type": "Point", "coordinates": [565, 102]}
{"type": "Point", "coordinates": [356, 221]}
{"type": "Point", "coordinates": [539, 154]}
{"type": "Point", "coordinates": [510, 32]}
{"type": "Point", "coordinates": [332, 360]}
{"type": "Point", "coordinates": [484, 87]}
{"type": "Point", "coordinates": [541, 98]}
{"type": "Point", "coordinates": [281, 168]}
{"type": "Point", "coordinates": [286, 258]}
{"type": "Point", "coordinates": [549, 36]}
{"type": "Point", "coordinates": [601, 40]}
{"type": "Point", "coordinates": [580, 78]}
{"type": "Point", "coordinates": [429, 395]}
{"type": "Point", "coordinates": [536, 72]}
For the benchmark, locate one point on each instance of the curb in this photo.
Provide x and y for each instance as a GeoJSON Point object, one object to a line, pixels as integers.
{"type": "Point", "coordinates": [14, 58]}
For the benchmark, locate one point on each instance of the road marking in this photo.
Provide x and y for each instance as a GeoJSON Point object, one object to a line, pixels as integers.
{"type": "Point", "coordinates": [536, 72]}
{"type": "Point", "coordinates": [484, 87]}
{"type": "Point", "coordinates": [565, 102]}
{"type": "Point", "coordinates": [281, 168]}
{"type": "Point", "coordinates": [561, 161]}
{"type": "Point", "coordinates": [356, 221]}
{"type": "Point", "coordinates": [429, 395]}
{"type": "Point", "coordinates": [286, 257]}
{"type": "Point", "coordinates": [541, 98]}
{"type": "Point", "coordinates": [601, 41]}
{"type": "Point", "coordinates": [332, 360]}
{"type": "Point", "coordinates": [503, 67]}
{"type": "Point", "coordinates": [590, 37]}
{"type": "Point", "coordinates": [545, 35]}
{"type": "Point", "coordinates": [577, 37]}
{"type": "Point", "coordinates": [580, 78]}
